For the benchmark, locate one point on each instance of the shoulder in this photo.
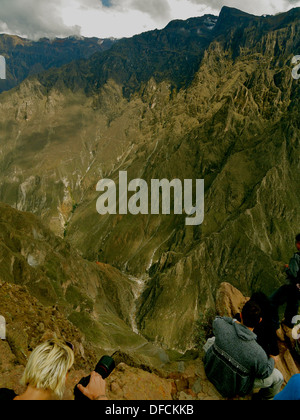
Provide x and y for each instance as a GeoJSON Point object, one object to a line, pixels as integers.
{"type": "Point", "coordinates": [295, 261]}
{"type": "Point", "coordinates": [223, 320]}
{"type": "Point", "coordinates": [222, 323]}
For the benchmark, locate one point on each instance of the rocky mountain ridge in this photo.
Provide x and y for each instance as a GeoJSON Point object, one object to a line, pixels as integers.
{"type": "Point", "coordinates": [25, 57]}
{"type": "Point", "coordinates": [233, 121]}
{"type": "Point", "coordinates": [95, 298]}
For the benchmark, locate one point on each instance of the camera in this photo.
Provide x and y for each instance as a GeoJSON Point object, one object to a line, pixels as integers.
{"type": "Point", "coordinates": [104, 368]}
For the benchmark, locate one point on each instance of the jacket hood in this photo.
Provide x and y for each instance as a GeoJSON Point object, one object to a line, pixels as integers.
{"type": "Point", "coordinates": [241, 331]}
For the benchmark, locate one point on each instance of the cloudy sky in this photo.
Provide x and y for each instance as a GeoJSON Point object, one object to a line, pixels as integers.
{"type": "Point", "coordinates": [114, 18]}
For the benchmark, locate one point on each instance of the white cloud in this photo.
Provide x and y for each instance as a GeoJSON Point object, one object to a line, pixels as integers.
{"type": "Point", "coordinates": [128, 17]}
{"type": "Point", "coordinates": [34, 18]}
{"type": "Point", "coordinates": [38, 18]}
{"type": "Point", "coordinates": [106, 22]}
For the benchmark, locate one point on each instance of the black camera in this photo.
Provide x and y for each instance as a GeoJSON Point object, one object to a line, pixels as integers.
{"type": "Point", "coordinates": [104, 368]}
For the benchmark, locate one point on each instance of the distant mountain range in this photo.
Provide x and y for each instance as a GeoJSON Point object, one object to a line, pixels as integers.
{"type": "Point", "coordinates": [172, 54]}
{"type": "Point", "coordinates": [25, 57]}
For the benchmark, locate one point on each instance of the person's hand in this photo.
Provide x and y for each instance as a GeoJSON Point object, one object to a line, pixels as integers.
{"type": "Point", "coordinates": [96, 389]}
{"type": "Point", "coordinates": [298, 286]}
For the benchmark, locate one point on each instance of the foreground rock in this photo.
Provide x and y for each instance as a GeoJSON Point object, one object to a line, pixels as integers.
{"type": "Point", "coordinates": [29, 323]}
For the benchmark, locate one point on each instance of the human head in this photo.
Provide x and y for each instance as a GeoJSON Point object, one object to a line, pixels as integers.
{"type": "Point", "coordinates": [298, 242]}
{"type": "Point", "coordinates": [262, 300]}
{"type": "Point", "coordinates": [48, 366]}
{"type": "Point", "coordinates": [251, 315]}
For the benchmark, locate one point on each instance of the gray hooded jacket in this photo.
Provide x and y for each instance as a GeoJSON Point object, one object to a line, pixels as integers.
{"type": "Point", "coordinates": [235, 360]}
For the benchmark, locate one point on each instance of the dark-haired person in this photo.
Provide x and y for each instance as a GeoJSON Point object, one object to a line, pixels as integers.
{"type": "Point", "coordinates": [288, 293]}
{"type": "Point", "coordinates": [236, 363]}
{"type": "Point", "coordinates": [266, 335]}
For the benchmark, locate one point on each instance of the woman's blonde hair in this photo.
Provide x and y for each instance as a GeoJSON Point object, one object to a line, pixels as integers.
{"type": "Point", "coordinates": [48, 366]}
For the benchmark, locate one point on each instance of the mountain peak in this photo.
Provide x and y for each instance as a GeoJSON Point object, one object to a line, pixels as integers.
{"type": "Point", "coordinates": [232, 11]}
{"type": "Point", "coordinates": [230, 16]}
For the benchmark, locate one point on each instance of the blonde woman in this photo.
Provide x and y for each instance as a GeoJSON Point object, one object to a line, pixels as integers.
{"type": "Point", "coordinates": [46, 371]}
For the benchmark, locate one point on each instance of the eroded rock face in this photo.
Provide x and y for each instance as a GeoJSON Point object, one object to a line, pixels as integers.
{"type": "Point", "coordinates": [98, 299]}
{"type": "Point", "coordinates": [235, 125]}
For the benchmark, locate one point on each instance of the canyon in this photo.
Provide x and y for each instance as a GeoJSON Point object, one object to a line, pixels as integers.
{"type": "Point", "coordinates": [210, 98]}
